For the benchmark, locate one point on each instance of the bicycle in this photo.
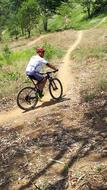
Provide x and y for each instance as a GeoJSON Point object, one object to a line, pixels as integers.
{"type": "Point", "coordinates": [27, 97]}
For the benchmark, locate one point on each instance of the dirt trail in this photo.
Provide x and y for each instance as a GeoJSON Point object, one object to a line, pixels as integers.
{"type": "Point", "coordinates": [64, 75]}
{"type": "Point", "coordinates": [35, 41]}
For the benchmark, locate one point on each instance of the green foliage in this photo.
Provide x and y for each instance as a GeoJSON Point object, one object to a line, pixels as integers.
{"type": "Point", "coordinates": [7, 54]}
{"type": "Point", "coordinates": [13, 26]}
{"type": "Point", "coordinates": [41, 14]}
{"type": "Point", "coordinates": [93, 7]}
{"type": "Point", "coordinates": [28, 10]}
{"type": "Point", "coordinates": [11, 76]}
{"type": "Point", "coordinates": [52, 51]}
{"type": "Point", "coordinates": [99, 168]}
{"type": "Point", "coordinates": [1, 60]}
{"type": "Point", "coordinates": [89, 97]}
{"type": "Point", "coordinates": [4, 12]}
{"type": "Point", "coordinates": [66, 168]}
{"type": "Point", "coordinates": [56, 23]}
{"type": "Point", "coordinates": [22, 55]}
{"type": "Point", "coordinates": [47, 8]}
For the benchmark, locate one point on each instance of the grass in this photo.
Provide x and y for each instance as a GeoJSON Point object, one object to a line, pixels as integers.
{"type": "Point", "coordinates": [90, 63]}
{"type": "Point", "coordinates": [9, 57]}
{"type": "Point", "coordinates": [13, 65]}
{"type": "Point", "coordinates": [56, 23]}
{"type": "Point", "coordinates": [77, 20]}
{"type": "Point", "coordinates": [102, 84]}
{"type": "Point", "coordinates": [80, 22]}
{"type": "Point", "coordinates": [97, 52]}
{"type": "Point", "coordinates": [89, 97]}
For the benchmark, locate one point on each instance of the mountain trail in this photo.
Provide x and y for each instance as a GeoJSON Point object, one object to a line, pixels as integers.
{"type": "Point", "coordinates": [64, 75]}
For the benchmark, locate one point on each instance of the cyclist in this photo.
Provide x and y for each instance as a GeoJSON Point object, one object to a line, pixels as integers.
{"type": "Point", "coordinates": [34, 67]}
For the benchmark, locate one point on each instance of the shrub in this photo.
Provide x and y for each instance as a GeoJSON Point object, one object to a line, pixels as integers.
{"type": "Point", "coordinates": [89, 97]}
{"type": "Point", "coordinates": [52, 51]}
{"type": "Point", "coordinates": [11, 76]}
{"type": "Point", "coordinates": [6, 54]}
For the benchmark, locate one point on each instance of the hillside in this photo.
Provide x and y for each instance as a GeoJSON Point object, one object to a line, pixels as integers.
{"type": "Point", "coordinates": [62, 144]}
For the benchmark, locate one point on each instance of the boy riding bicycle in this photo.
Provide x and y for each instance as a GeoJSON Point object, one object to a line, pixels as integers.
{"type": "Point", "coordinates": [34, 67]}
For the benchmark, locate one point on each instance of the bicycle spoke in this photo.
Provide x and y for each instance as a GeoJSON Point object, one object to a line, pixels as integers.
{"type": "Point", "coordinates": [27, 98]}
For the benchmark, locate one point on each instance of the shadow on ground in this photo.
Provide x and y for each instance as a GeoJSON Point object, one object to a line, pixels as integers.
{"type": "Point", "coordinates": [90, 135]}
{"type": "Point", "coordinates": [51, 102]}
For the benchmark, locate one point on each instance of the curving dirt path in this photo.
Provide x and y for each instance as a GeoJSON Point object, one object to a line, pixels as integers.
{"type": "Point", "coordinates": [35, 41]}
{"type": "Point", "coordinates": [64, 75]}
{"type": "Point", "coordinates": [65, 72]}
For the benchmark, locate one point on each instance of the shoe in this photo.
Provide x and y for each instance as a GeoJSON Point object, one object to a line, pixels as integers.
{"type": "Point", "coordinates": [39, 94]}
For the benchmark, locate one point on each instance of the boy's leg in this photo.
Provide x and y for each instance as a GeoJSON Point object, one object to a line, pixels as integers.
{"type": "Point", "coordinates": [41, 84]}
{"type": "Point", "coordinates": [41, 80]}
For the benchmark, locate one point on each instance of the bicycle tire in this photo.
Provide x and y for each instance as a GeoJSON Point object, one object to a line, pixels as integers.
{"type": "Point", "coordinates": [53, 86]}
{"type": "Point", "coordinates": [29, 100]}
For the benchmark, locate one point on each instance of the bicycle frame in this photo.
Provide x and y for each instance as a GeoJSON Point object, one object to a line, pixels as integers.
{"type": "Point", "coordinates": [48, 76]}
{"type": "Point", "coordinates": [27, 97]}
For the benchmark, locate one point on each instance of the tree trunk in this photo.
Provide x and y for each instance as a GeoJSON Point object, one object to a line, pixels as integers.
{"type": "Point", "coordinates": [29, 33]}
{"type": "Point", "coordinates": [22, 31]}
{"type": "Point", "coordinates": [89, 12]}
{"type": "Point", "coordinates": [45, 23]}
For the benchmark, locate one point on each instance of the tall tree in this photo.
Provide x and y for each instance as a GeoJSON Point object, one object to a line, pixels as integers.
{"type": "Point", "coordinates": [65, 10]}
{"type": "Point", "coordinates": [47, 8]}
{"type": "Point", "coordinates": [14, 25]}
{"type": "Point", "coordinates": [88, 6]}
{"type": "Point", "coordinates": [28, 15]}
{"type": "Point", "coordinates": [100, 5]}
{"type": "Point", "coordinates": [16, 4]}
{"type": "Point", "coordinates": [4, 12]}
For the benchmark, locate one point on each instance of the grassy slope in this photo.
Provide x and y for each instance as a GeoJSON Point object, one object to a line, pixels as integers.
{"type": "Point", "coordinates": [76, 20]}
{"type": "Point", "coordinates": [13, 66]}
{"type": "Point", "coordinates": [91, 62]}
{"type": "Point", "coordinates": [70, 136]}
{"type": "Point", "coordinates": [87, 123]}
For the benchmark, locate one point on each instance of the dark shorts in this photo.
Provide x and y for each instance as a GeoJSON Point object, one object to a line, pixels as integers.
{"type": "Point", "coordinates": [37, 76]}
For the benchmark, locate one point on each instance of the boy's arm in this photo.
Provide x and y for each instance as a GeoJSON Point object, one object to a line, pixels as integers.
{"type": "Point", "coordinates": [51, 66]}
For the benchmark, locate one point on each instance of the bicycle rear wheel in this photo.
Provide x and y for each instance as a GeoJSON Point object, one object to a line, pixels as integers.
{"type": "Point", "coordinates": [55, 88]}
{"type": "Point", "coordinates": [27, 98]}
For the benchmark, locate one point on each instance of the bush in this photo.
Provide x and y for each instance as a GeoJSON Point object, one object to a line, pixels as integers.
{"type": "Point", "coordinates": [52, 51]}
{"type": "Point", "coordinates": [89, 97]}
{"type": "Point", "coordinates": [6, 54]}
{"type": "Point", "coordinates": [11, 76]}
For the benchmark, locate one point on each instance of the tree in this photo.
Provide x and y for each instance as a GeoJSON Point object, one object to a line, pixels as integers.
{"type": "Point", "coordinates": [93, 7]}
{"type": "Point", "coordinates": [15, 5]}
{"type": "Point", "coordinates": [4, 12]}
{"type": "Point", "coordinates": [100, 6]}
{"type": "Point", "coordinates": [14, 26]}
{"type": "Point", "coordinates": [88, 6]}
{"type": "Point", "coordinates": [28, 15]}
{"type": "Point", "coordinates": [47, 8]}
{"type": "Point", "coordinates": [65, 10]}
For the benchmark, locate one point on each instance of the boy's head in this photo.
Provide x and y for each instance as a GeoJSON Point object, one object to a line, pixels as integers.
{"type": "Point", "coordinates": [40, 51]}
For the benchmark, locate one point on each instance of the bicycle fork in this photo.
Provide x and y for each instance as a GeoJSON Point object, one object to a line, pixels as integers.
{"type": "Point", "coordinates": [53, 85]}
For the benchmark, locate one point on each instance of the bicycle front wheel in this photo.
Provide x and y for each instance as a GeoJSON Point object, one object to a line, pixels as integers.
{"type": "Point", "coordinates": [55, 88]}
{"type": "Point", "coordinates": [27, 98]}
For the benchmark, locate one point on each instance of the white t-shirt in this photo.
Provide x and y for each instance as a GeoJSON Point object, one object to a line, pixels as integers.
{"type": "Point", "coordinates": [35, 64]}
